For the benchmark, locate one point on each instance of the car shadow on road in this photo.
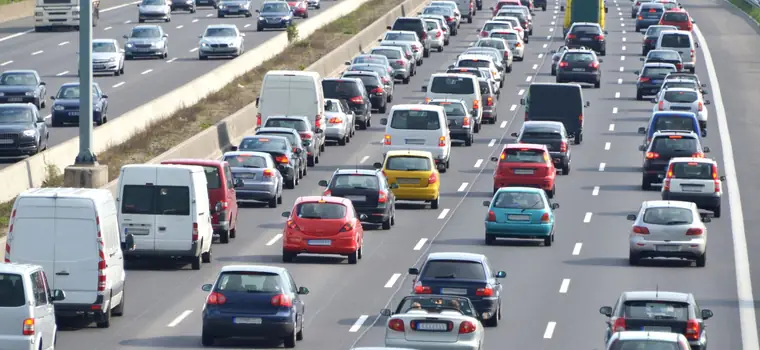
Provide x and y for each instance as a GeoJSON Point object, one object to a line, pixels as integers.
{"type": "Point", "coordinates": [188, 341]}
{"type": "Point", "coordinates": [623, 261]}
{"type": "Point", "coordinates": [148, 264]}
{"type": "Point", "coordinates": [631, 119]}
{"type": "Point", "coordinates": [271, 259]}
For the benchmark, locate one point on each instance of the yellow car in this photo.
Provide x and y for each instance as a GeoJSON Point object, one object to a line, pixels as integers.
{"type": "Point", "coordinates": [415, 173]}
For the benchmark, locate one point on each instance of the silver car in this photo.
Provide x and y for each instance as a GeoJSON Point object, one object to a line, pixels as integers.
{"type": "Point", "coordinates": [340, 121]}
{"type": "Point", "coordinates": [234, 8]}
{"type": "Point", "coordinates": [402, 67]}
{"type": "Point", "coordinates": [442, 21]}
{"type": "Point", "coordinates": [405, 37]}
{"type": "Point", "coordinates": [668, 229]}
{"type": "Point", "coordinates": [221, 40]}
{"type": "Point", "coordinates": [647, 340]}
{"type": "Point", "coordinates": [315, 4]}
{"type": "Point", "coordinates": [154, 10]}
{"type": "Point", "coordinates": [261, 181]}
{"type": "Point", "coordinates": [146, 41]}
{"type": "Point", "coordinates": [382, 71]}
{"type": "Point", "coordinates": [107, 57]}
{"type": "Point", "coordinates": [313, 140]}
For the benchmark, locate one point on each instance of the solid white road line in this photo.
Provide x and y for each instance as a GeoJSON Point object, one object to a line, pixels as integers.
{"type": "Point", "coordinates": [624, 40]}
{"type": "Point", "coordinates": [577, 248]}
{"type": "Point", "coordinates": [62, 73]}
{"type": "Point", "coordinates": [118, 84]}
{"type": "Point", "coordinates": [146, 71]}
{"type": "Point", "coordinates": [180, 26]}
{"type": "Point", "coordinates": [209, 15]}
{"type": "Point", "coordinates": [443, 213]}
{"type": "Point", "coordinates": [420, 244]}
{"type": "Point", "coordinates": [503, 124]}
{"type": "Point", "coordinates": [478, 163]}
{"type": "Point", "coordinates": [492, 142]}
{"type": "Point", "coordinates": [595, 191]}
{"type": "Point", "coordinates": [247, 25]}
{"type": "Point", "coordinates": [549, 330]}
{"type": "Point", "coordinates": [392, 280]}
{"type": "Point", "coordinates": [564, 286]}
{"type": "Point", "coordinates": [179, 318]}
{"type": "Point", "coordinates": [35, 53]}
{"type": "Point", "coordinates": [512, 108]}
{"type": "Point", "coordinates": [63, 43]}
{"type": "Point", "coordinates": [364, 159]}
{"type": "Point", "coordinates": [462, 187]}
{"type": "Point", "coordinates": [127, 22]}
{"type": "Point", "coordinates": [274, 239]}
{"type": "Point", "coordinates": [5, 63]}
{"type": "Point", "coordinates": [612, 127]}
{"type": "Point", "coordinates": [601, 166]}
{"type": "Point", "coordinates": [587, 218]}
{"type": "Point", "coordinates": [614, 110]}
{"type": "Point", "coordinates": [623, 47]}
{"type": "Point", "coordinates": [358, 324]}
{"type": "Point", "coordinates": [546, 45]}
{"type": "Point", "coordinates": [607, 146]}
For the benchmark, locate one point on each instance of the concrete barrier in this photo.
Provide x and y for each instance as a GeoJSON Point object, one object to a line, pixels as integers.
{"type": "Point", "coordinates": [16, 10]}
{"type": "Point", "coordinates": [31, 172]}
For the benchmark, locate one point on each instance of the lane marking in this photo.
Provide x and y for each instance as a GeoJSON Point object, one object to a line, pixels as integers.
{"type": "Point", "coordinates": [549, 330]}
{"type": "Point", "coordinates": [364, 159]}
{"type": "Point", "coordinates": [548, 37]}
{"type": "Point", "coordinates": [622, 58]}
{"type": "Point", "coordinates": [617, 95]}
{"type": "Point", "coordinates": [462, 187]}
{"type": "Point", "coordinates": [171, 60]}
{"type": "Point", "coordinates": [180, 26]}
{"type": "Point", "coordinates": [117, 84]}
{"type": "Point", "coordinates": [623, 47]}
{"type": "Point", "coordinates": [528, 78]}
{"type": "Point", "coordinates": [478, 163]}
{"type": "Point", "coordinates": [546, 45]}
{"type": "Point", "coordinates": [62, 73]}
{"type": "Point", "coordinates": [420, 244]}
{"type": "Point", "coordinates": [179, 318]}
{"type": "Point", "coordinates": [577, 248]}
{"type": "Point", "coordinates": [540, 55]}
{"type": "Point", "coordinates": [274, 239]}
{"type": "Point", "coordinates": [107, 28]}
{"type": "Point", "coordinates": [392, 280]}
{"type": "Point", "coordinates": [209, 15]}
{"type": "Point", "coordinates": [535, 66]}
{"type": "Point", "coordinates": [614, 110]}
{"type": "Point", "coordinates": [247, 25]}
{"type": "Point", "coordinates": [607, 146]}
{"type": "Point", "coordinates": [443, 213]}
{"type": "Point", "coordinates": [521, 92]}
{"type": "Point", "coordinates": [622, 69]}
{"type": "Point", "coordinates": [63, 43]}
{"type": "Point", "coordinates": [595, 192]}
{"type": "Point", "coordinates": [587, 218]}
{"type": "Point", "coordinates": [492, 142]}
{"type": "Point", "coordinates": [358, 324]}
{"type": "Point", "coordinates": [564, 286]}
{"type": "Point", "coordinates": [553, 23]}
{"type": "Point", "coordinates": [195, 20]}
{"type": "Point", "coordinates": [503, 124]}
{"type": "Point", "coordinates": [620, 81]}
{"type": "Point", "coordinates": [35, 53]}
{"type": "Point", "coordinates": [601, 166]}
{"type": "Point", "coordinates": [146, 72]}
{"type": "Point", "coordinates": [623, 31]}
{"type": "Point", "coordinates": [194, 49]}
{"type": "Point", "coordinates": [551, 30]}
{"type": "Point", "coordinates": [612, 127]}
{"type": "Point", "coordinates": [5, 63]}
{"type": "Point", "coordinates": [512, 108]}
{"type": "Point", "coordinates": [624, 40]}
{"type": "Point", "coordinates": [127, 21]}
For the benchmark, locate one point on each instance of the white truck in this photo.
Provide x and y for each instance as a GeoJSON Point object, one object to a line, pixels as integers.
{"type": "Point", "coordinates": [51, 14]}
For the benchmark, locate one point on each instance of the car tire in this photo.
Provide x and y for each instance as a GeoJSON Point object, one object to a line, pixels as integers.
{"type": "Point", "coordinates": [490, 239]}
{"type": "Point", "coordinates": [299, 335]}
{"type": "Point", "coordinates": [551, 193]}
{"type": "Point", "coordinates": [639, 96]}
{"type": "Point", "coordinates": [118, 311]}
{"type": "Point", "coordinates": [646, 184]}
{"type": "Point", "coordinates": [259, 28]}
{"type": "Point", "coordinates": [702, 260]}
{"type": "Point", "coordinates": [644, 52]}
{"type": "Point", "coordinates": [716, 211]}
{"type": "Point", "coordinates": [493, 321]}
{"type": "Point", "coordinates": [469, 19]}
{"type": "Point", "coordinates": [633, 258]}
{"type": "Point", "coordinates": [291, 183]}
{"type": "Point", "coordinates": [310, 161]}
{"type": "Point", "coordinates": [206, 257]}
{"type": "Point", "coordinates": [288, 256]}
{"type": "Point", "coordinates": [383, 108]}
{"type": "Point", "coordinates": [406, 80]}
{"type": "Point", "coordinates": [633, 16]}
{"type": "Point", "coordinates": [105, 319]}
{"type": "Point", "coordinates": [566, 168]}
{"type": "Point", "coordinates": [353, 258]}
{"type": "Point", "coordinates": [548, 240]}
{"type": "Point", "coordinates": [273, 202]}
{"type": "Point", "coordinates": [692, 70]}
{"type": "Point", "coordinates": [207, 339]}
{"type": "Point", "coordinates": [554, 72]}
{"type": "Point", "coordinates": [477, 128]}
{"type": "Point", "coordinates": [233, 232]}
{"type": "Point", "coordinates": [468, 141]}
{"type": "Point", "coordinates": [224, 237]}
{"type": "Point", "coordinates": [387, 224]}
{"type": "Point", "coordinates": [638, 29]}
{"type": "Point", "coordinates": [598, 84]}
{"type": "Point", "coordinates": [219, 15]}
{"type": "Point", "coordinates": [342, 141]}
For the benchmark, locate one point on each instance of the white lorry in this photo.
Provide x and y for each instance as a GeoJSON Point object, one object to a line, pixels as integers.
{"type": "Point", "coordinates": [51, 14]}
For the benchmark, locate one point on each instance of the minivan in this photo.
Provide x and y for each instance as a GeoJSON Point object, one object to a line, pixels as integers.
{"type": "Point", "coordinates": [221, 189]}
{"type": "Point", "coordinates": [166, 209]}
{"type": "Point", "coordinates": [454, 86]}
{"type": "Point", "coordinates": [291, 93]}
{"type": "Point", "coordinates": [557, 102]}
{"type": "Point", "coordinates": [681, 41]}
{"type": "Point", "coordinates": [73, 233]}
{"type": "Point", "coordinates": [420, 128]}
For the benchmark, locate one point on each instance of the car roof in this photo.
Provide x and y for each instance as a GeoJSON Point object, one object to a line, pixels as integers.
{"type": "Point", "coordinates": [450, 75]}
{"type": "Point", "coordinates": [652, 4]}
{"type": "Point", "coordinates": [361, 72]}
{"type": "Point", "coordinates": [693, 160]}
{"type": "Point", "coordinates": [542, 124]}
{"type": "Point", "coordinates": [400, 32]}
{"type": "Point", "coordinates": [370, 55]}
{"type": "Point", "coordinates": [323, 199]}
{"type": "Point", "coordinates": [673, 113]}
{"type": "Point", "coordinates": [251, 137]}
{"type": "Point", "coordinates": [103, 40]}
{"type": "Point", "coordinates": [231, 26]}
{"type": "Point", "coordinates": [20, 269]}
{"type": "Point", "coordinates": [146, 26]}
{"type": "Point", "coordinates": [409, 152]}
{"type": "Point", "coordinates": [664, 133]}
{"type": "Point", "coordinates": [299, 117]}
{"type": "Point", "coordinates": [657, 295]}
{"type": "Point", "coordinates": [423, 107]}
{"type": "Point", "coordinates": [448, 100]}
{"type": "Point", "coordinates": [662, 50]}
{"type": "Point", "coordinates": [76, 83]}
{"type": "Point", "coordinates": [471, 257]}
{"type": "Point", "coordinates": [495, 21]}
{"type": "Point", "coordinates": [534, 146]}
{"type": "Point", "coordinates": [586, 24]}
{"type": "Point", "coordinates": [193, 161]}
{"type": "Point", "coordinates": [356, 171]}
{"type": "Point", "coordinates": [20, 71]}
{"type": "Point", "coordinates": [276, 129]}
{"type": "Point", "coordinates": [17, 105]}
{"type": "Point", "coordinates": [246, 153]}
{"type": "Point", "coordinates": [475, 57]}
{"type": "Point", "coordinates": [658, 65]}
{"type": "Point", "coordinates": [681, 32]}
{"type": "Point", "coordinates": [580, 50]}
{"type": "Point", "coordinates": [519, 189]}
{"type": "Point", "coordinates": [673, 204]}
{"type": "Point", "coordinates": [640, 335]}
{"type": "Point", "coordinates": [254, 268]}
{"type": "Point", "coordinates": [351, 80]}
{"type": "Point", "coordinates": [681, 89]}
{"type": "Point", "coordinates": [385, 47]}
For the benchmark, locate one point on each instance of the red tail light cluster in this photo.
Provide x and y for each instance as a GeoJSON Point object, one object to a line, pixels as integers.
{"type": "Point", "coordinates": [545, 218]}
{"type": "Point", "coordinates": [258, 119]}
{"type": "Point", "coordinates": [694, 232]}
{"type": "Point", "coordinates": [693, 330]}
{"type": "Point", "coordinates": [282, 159]}
{"type": "Point", "coordinates": [599, 37]}
{"type": "Point", "coordinates": [357, 99]}
{"type": "Point", "coordinates": [467, 327]}
{"type": "Point", "coordinates": [571, 36]}
{"type": "Point", "coordinates": [195, 232]}
{"type": "Point", "coordinates": [491, 216]}
{"type": "Point", "coordinates": [420, 289]}
{"type": "Point", "coordinates": [652, 155]}
{"type": "Point", "coordinates": [282, 300]}
{"type": "Point", "coordinates": [438, 33]}
{"type": "Point", "coordinates": [216, 298]}
{"type": "Point", "coordinates": [563, 146]}
{"type": "Point", "coordinates": [484, 292]}
{"type": "Point", "coordinates": [489, 101]}
{"type": "Point", "coordinates": [382, 197]}
{"type": "Point", "coordinates": [594, 65]}
{"type": "Point", "coordinates": [644, 79]}
{"type": "Point", "coordinates": [563, 65]}
{"type": "Point", "coordinates": [396, 325]}
{"type": "Point", "coordinates": [640, 230]}
{"type": "Point", "coordinates": [378, 90]}
{"type": "Point", "coordinates": [347, 227]}
{"type": "Point", "coordinates": [268, 173]}
{"type": "Point", "coordinates": [433, 178]}
{"type": "Point", "coordinates": [619, 325]}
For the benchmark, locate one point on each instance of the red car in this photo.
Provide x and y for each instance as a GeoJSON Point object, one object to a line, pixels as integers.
{"type": "Point", "coordinates": [501, 3]}
{"type": "Point", "coordinates": [221, 189]}
{"type": "Point", "coordinates": [300, 8]}
{"type": "Point", "coordinates": [526, 165]}
{"type": "Point", "coordinates": [678, 18]}
{"type": "Point", "coordinates": [323, 225]}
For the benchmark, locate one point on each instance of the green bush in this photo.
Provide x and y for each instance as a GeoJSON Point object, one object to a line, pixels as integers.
{"type": "Point", "coordinates": [292, 33]}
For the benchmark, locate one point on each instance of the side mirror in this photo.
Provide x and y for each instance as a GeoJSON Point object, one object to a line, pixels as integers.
{"type": "Point", "coordinates": [105, 96]}
{"type": "Point", "coordinates": [239, 183]}
{"type": "Point", "coordinates": [43, 83]}
{"type": "Point", "coordinates": [388, 27]}
{"type": "Point", "coordinates": [486, 203]}
{"type": "Point", "coordinates": [703, 133]}
{"type": "Point", "coordinates": [166, 35]}
{"type": "Point", "coordinates": [383, 121]}
{"type": "Point", "coordinates": [385, 312]}
{"type": "Point", "coordinates": [642, 130]}
{"type": "Point", "coordinates": [704, 92]}
{"type": "Point", "coordinates": [257, 101]}
{"type": "Point", "coordinates": [606, 311]}
{"type": "Point", "coordinates": [696, 45]}
{"type": "Point", "coordinates": [59, 295]}
{"type": "Point", "coordinates": [706, 218]}
{"type": "Point", "coordinates": [706, 313]}
{"type": "Point", "coordinates": [494, 159]}
{"type": "Point", "coordinates": [52, 97]}
{"type": "Point", "coordinates": [363, 217]}
{"type": "Point", "coordinates": [631, 217]}
{"type": "Point", "coordinates": [285, 214]}
{"type": "Point", "coordinates": [500, 274]}
{"type": "Point", "coordinates": [642, 148]}
{"type": "Point", "coordinates": [377, 165]}
{"type": "Point", "coordinates": [40, 119]}
{"type": "Point", "coordinates": [477, 30]}
{"type": "Point", "coordinates": [588, 103]}
{"type": "Point", "coordinates": [637, 72]}
{"type": "Point", "coordinates": [722, 178]}
{"type": "Point", "coordinates": [233, 148]}
{"type": "Point", "coordinates": [259, 11]}
{"type": "Point", "coordinates": [125, 36]}
{"type": "Point", "coordinates": [514, 134]}
{"type": "Point", "coordinates": [654, 100]}
{"type": "Point", "coordinates": [693, 21]}
{"type": "Point", "coordinates": [129, 242]}
{"type": "Point", "coordinates": [347, 63]}
{"type": "Point", "coordinates": [707, 102]}
{"type": "Point", "coordinates": [200, 36]}
{"type": "Point", "coordinates": [394, 186]}
{"type": "Point", "coordinates": [522, 102]}
{"type": "Point", "coordinates": [706, 149]}
{"type": "Point", "coordinates": [138, 5]}
{"type": "Point", "coordinates": [207, 287]}
{"type": "Point", "coordinates": [642, 59]}
{"type": "Point", "coordinates": [414, 271]}
{"type": "Point", "coordinates": [319, 131]}
{"type": "Point", "coordinates": [380, 40]}
{"type": "Point", "coordinates": [601, 60]}
{"type": "Point", "coordinates": [322, 183]}
{"type": "Point", "coordinates": [555, 205]}
{"type": "Point", "coordinates": [303, 290]}
{"type": "Point", "coordinates": [218, 207]}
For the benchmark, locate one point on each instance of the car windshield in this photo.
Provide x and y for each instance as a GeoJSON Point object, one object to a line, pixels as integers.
{"type": "Point", "coordinates": [400, 37]}
{"type": "Point", "coordinates": [332, 107]}
{"type": "Point", "coordinates": [518, 200]}
{"type": "Point", "coordinates": [415, 120]}
{"type": "Point", "coordinates": [433, 304]}
{"type": "Point", "coordinates": [152, 2]}
{"type": "Point", "coordinates": [654, 31]}
{"type": "Point", "coordinates": [674, 144]}
{"type": "Point", "coordinates": [370, 60]}
{"type": "Point", "coordinates": [145, 33]}
{"type": "Point", "coordinates": [292, 138]}
{"type": "Point", "coordinates": [523, 155]}
{"type": "Point", "coordinates": [673, 123]}
{"type": "Point", "coordinates": [586, 30]}
{"type": "Point", "coordinates": [367, 80]}
{"type": "Point", "coordinates": [664, 55]}
{"type": "Point", "coordinates": [505, 36]}
{"type": "Point", "coordinates": [580, 57]}
{"type": "Point", "coordinates": [668, 216]}
{"type": "Point", "coordinates": [410, 24]}
{"type": "Point", "coordinates": [68, 92]}
{"type": "Point", "coordinates": [681, 96]}
{"type": "Point", "coordinates": [390, 54]}
{"type": "Point", "coordinates": [452, 109]}
{"type": "Point", "coordinates": [453, 269]}
{"type": "Point", "coordinates": [249, 282]}
{"type": "Point", "coordinates": [644, 344]}
{"type": "Point", "coordinates": [246, 161]}
{"type": "Point", "coordinates": [675, 17]}
{"type": "Point", "coordinates": [408, 163]}
{"type": "Point", "coordinates": [263, 144]}
{"type": "Point", "coordinates": [453, 85]}
{"type": "Point", "coordinates": [220, 32]}
{"type": "Point", "coordinates": [18, 79]}
{"type": "Point", "coordinates": [103, 47]}
{"type": "Point", "coordinates": [355, 181]}
{"type": "Point", "coordinates": [436, 11]}
{"type": "Point", "coordinates": [496, 25]}
{"type": "Point", "coordinates": [656, 310]}
{"type": "Point", "coordinates": [275, 7]}
{"type": "Point", "coordinates": [296, 124]}
{"type": "Point", "coordinates": [496, 44]}
{"type": "Point", "coordinates": [324, 211]}
{"type": "Point", "coordinates": [694, 170]}
{"type": "Point", "coordinates": [16, 115]}
{"type": "Point", "coordinates": [676, 40]}
{"type": "Point", "coordinates": [11, 290]}
{"type": "Point", "coordinates": [657, 72]}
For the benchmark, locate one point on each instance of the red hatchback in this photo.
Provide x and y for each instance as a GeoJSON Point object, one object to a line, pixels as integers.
{"type": "Point", "coordinates": [323, 225]}
{"type": "Point", "coordinates": [503, 3]}
{"type": "Point", "coordinates": [526, 165]}
{"type": "Point", "coordinates": [678, 18]}
{"type": "Point", "coordinates": [221, 189]}
{"type": "Point", "coordinates": [300, 8]}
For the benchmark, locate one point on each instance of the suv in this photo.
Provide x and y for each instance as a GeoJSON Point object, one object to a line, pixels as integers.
{"type": "Point", "coordinates": [417, 25]}
{"type": "Point", "coordinates": [587, 34]}
{"type": "Point", "coordinates": [373, 84]}
{"type": "Point", "coordinates": [694, 180]}
{"type": "Point", "coordinates": [580, 66]}
{"type": "Point", "coordinates": [353, 91]}
{"type": "Point", "coordinates": [651, 77]}
{"type": "Point", "coordinates": [551, 134]}
{"type": "Point", "coordinates": [665, 145]}
{"type": "Point", "coordinates": [369, 192]}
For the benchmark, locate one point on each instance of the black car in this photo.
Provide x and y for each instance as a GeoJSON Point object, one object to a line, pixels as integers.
{"type": "Point", "coordinates": [580, 66]}
{"type": "Point", "coordinates": [551, 134]}
{"type": "Point", "coordinates": [588, 35]}
{"type": "Point", "coordinates": [540, 3]}
{"type": "Point", "coordinates": [22, 86]}
{"type": "Point", "coordinates": [373, 84]}
{"type": "Point", "coordinates": [664, 146]}
{"type": "Point", "coordinates": [413, 24]}
{"type": "Point", "coordinates": [22, 130]}
{"type": "Point", "coordinates": [354, 92]}
{"type": "Point", "coordinates": [368, 190]}
{"type": "Point", "coordinates": [288, 162]}
{"type": "Point", "coordinates": [65, 107]}
{"type": "Point", "coordinates": [186, 5]}
{"type": "Point", "coordinates": [650, 37]}
{"type": "Point", "coordinates": [664, 56]}
{"type": "Point", "coordinates": [295, 140]}
{"type": "Point", "coordinates": [651, 77]}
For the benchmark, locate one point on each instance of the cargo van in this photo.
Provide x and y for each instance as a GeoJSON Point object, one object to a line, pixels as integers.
{"type": "Point", "coordinates": [166, 209]}
{"type": "Point", "coordinates": [73, 233]}
{"type": "Point", "coordinates": [291, 93]}
{"type": "Point", "coordinates": [558, 103]}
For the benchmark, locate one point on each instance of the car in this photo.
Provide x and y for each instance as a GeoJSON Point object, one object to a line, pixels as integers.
{"type": "Point", "coordinates": [258, 175]}
{"type": "Point", "coordinates": [497, 57]}
{"type": "Point", "coordinates": [314, 4]}
{"type": "Point", "coordinates": [369, 192]}
{"type": "Point", "coordinates": [521, 13]}
{"type": "Point", "coordinates": [221, 40]}
{"type": "Point", "coordinates": [435, 32]}
{"type": "Point", "coordinates": [694, 180]}
{"type": "Point", "coordinates": [274, 14]}
{"type": "Point", "coordinates": [300, 8]}
{"type": "Point", "coordinates": [154, 10]}
{"type": "Point", "coordinates": [658, 311]}
{"type": "Point", "coordinates": [467, 8]}
{"type": "Point", "coordinates": [417, 25]}
{"type": "Point", "coordinates": [300, 145]}
{"type": "Point", "coordinates": [451, 5]}
{"type": "Point", "coordinates": [647, 340]}
{"type": "Point", "coordinates": [254, 301]}
{"type": "Point", "coordinates": [420, 127]}
{"type": "Point", "coordinates": [553, 135]}
{"type": "Point", "coordinates": [673, 82]}
{"type": "Point", "coordinates": [431, 322]}
{"type": "Point", "coordinates": [462, 274]}
{"type": "Point", "coordinates": [212, 3]}
{"type": "Point", "coordinates": [323, 225]}
{"type": "Point", "coordinates": [22, 130]}
{"type": "Point", "coordinates": [444, 24]}
{"type": "Point", "coordinates": [649, 14]}
{"type": "Point", "coordinates": [503, 46]}
{"type": "Point", "coordinates": [669, 120]}
{"type": "Point", "coordinates": [636, 5]}
{"type": "Point", "coordinates": [480, 73]}
{"type": "Point", "coordinates": [580, 66]}
{"type": "Point", "coordinates": [280, 149]}
{"type": "Point", "coordinates": [234, 8]}
{"type": "Point", "coordinates": [462, 125]}
{"type": "Point", "coordinates": [450, 16]}
{"type": "Point", "coordinates": [415, 175]}
{"type": "Point", "coordinates": [408, 52]}
{"type": "Point", "coordinates": [515, 22]}
{"type": "Point", "coordinates": [516, 44]}
{"type": "Point", "coordinates": [107, 57]}
{"type": "Point", "coordinates": [311, 140]}
{"type": "Point", "coordinates": [679, 18]}
{"type": "Point", "coordinates": [22, 86]}
{"type": "Point", "coordinates": [667, 144]}
{"type": "Point", "coordinates": [374, 85]}
{"type": "Point", "coordinates": [459, 86]}
{"type": "Point", "coordinates": [650, 37]}
{"type": "Point", "coordinates": [489, 26]}
{"type": "Point", "coordinates": [340, 121]}
{"type": "Point", "coordinates": [503, 3]}
{"type": "Point", "coordinates": [353, 91]}
{"type": "Point", "coordinates": [186, 5]}
{"type": "Point", "coordinates": [589, 35]}
{"type": "Point", "coordinates": [146, 41]}
{"type": "Point", "coordinates": [520, 212]}
{"type": "Point", "coordinates": [557, 55]}
{"type": "Point", "coordinates": [687, 76]}
{"type": "Point", "coordinates": [382, 70]}
{"type": "Point", "coordinates": [371, 59]}
{"type": "Point", "coordinates": [683, 42]}
{"type": "Point", "coordinates": [664, 56]}
{"type": "Point", "coordinates": [650, 78]}
{"type": "Point", "coordinates": [525, 165]}
{"type": "Point", "coordinates": [684, 99]}
{"type": "Point", "coordinates": [403, 66]}
{"type": "Point", "coordinates": [65, 109]}
{"type": "Point", "coordinates": [393, 38]}
{"type": "Point", "coordinates": [484, 62]}
{"type": "Point", "coordinates": [489, 96]}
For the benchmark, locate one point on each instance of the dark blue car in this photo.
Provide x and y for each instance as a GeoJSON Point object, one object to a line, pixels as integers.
{"type": "Point", "coordinates": [668, 120]}
{"type": "Point", "coordinates": [65, 108]}
{"type": "Point", "coordinates": [274, 14]}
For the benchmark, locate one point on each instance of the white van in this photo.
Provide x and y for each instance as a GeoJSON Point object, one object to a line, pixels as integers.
{"type": "Point", "coordinates": [291, 93]}
{"type": "Point", "coordinates": [681, 41]}
{"type": "Point", "coordinates": [166, 209]}
{"type": "Point", "coordinates": [73, 233]}
{"type": "Point", "coordinates": [454, 86]}
{"type": "Point", "coordinates": [419, 127]}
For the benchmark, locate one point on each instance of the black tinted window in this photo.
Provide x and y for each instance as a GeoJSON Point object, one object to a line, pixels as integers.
{"type": "Point", "coordinates": [656, 310]}
{"type": "Point", "coordinates": [657, 71]}
{"type": "Point", "coordinates": [155, 200]}
{"type": "Point", "coordinates": [648, 344]}
{"type": "Point", "coordinates": [340, 89]}
{"type": "Point", "coordinates": [263, 145]}
{"type": "Point", "coordinates": [452, 85]}
{"type": "Point", "coordinates": [676, 40]}
{"type": "Point", "coordinates": [693, 170]}
{"type": "Point", "coordinates": [314, 210]}
{"type": "Point", "coordinates": [416, 120]}
{"type": "Point", "coordinates": [355, 181]}
{"type": "Point", "coordinates": [675, 17]}
{"type": "Point", "coordinates": [410, 24]}
{"type": "Point", "coordinates": [519, 200]}
{"type": "Point", "coordinates": [245, 161]}
{"type": "Point", "coordinates": [681, 96]}
{"type": "Point", "coordinates": [524, 155]}
{"type": "Point", "coordinates": [668, 216]}
{"type": "Point", "coordinates": [586, 30]}
{"type": "Point", "coordinates": [674, 123]}
{"type": "Point", "coordinates": [292, 138]}
{"type": "Point", "coordinates": [452, 269]}
{"type": "Point", "coordinates": [250, 282]}
{"type": "Point", "coordinates": [670, 145]}
{"type": "Point", "coordinates": [368, 80]}
{"type": "Point", "coordinates": [654, 31]}
{"type": "Point", "coordinates": [539, 134]}
{"type": "Point", "coordinates": [390, 54]}
{"type": "Point", "coordinates": [298, 125]}
{"type": "Point", "coordinates": [451, 109]}
{"type": "Point", "coordinates": [11, 290]}
{"type": "Point", "coordinates": [408, 163]}
{"type": "Point", "coordinates": [485, 87]}
{"type": "Point", "coordinates": [474, 63]}
{"type": "Point", "coordinates": [213, 180]}
{"type": "Point", "coordinates": [664, 55]}
{"type": "Point", "coordinates": [578, 57]}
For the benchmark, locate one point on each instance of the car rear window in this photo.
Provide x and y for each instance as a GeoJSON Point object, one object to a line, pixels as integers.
{"type": "Point", "coordinates": [390, 54]}
{"type": "Point", "coordinates": [452, 109]}
{"type": "Point", "coordinates": [340, 89]}
{"type": "Point", "coordinates": [410, 24]}
{"type": "Point", "coordinates": [485, 87]}
{"type": "Point", "coordinates": [675, 17]}
{"type": "Point", "coordinates": [11, 290]}
{"type": "Point", "coordinates": [496, 25]}
{"type": "Point", "coordinates": [431, 24]}
{"type": "Point", "coordinates": [263, 144]}
{"type": "Point", "coordinates": [355, 181]}
{"type": "Point", "coordinates": [155, 200]}
{"type": "Point", "coordinates": [381, 70]}
{"type": "Point", "coordinates": [654, 31]}
{"type": "Point", "coordinates": [453, 269]}
{"type": "Point", "coordinates": [664, 55]}
{"type": "Point", "coordinates": [436, 10]}
{"type": "Point", "coordinates": [656, 310]}
{"type": "Point", "coordinates": [436, 304]}
{"type": "Point", "coordinates": [523, 155]}
{"type": "Point", "coordinates": [246, 161]}
{"type": "Point", "coordinates": [408, 163]}
{"type": "Point", "coordinates": [452, 85]}
{"type": "Point", "coordinates": [657, 71]}
{"type": "Point", "coordinates": [415, 120]}
{"type": "Point", "coordinates": [315, 210]}
{"type": "Point", "coordinates": [644, 344]}
{"type": "Point", "coordinates": [578, 57]}
{"type": "Point", "coordinates": [673, 144]}
{"type": "Point", "coordinates": [680, 84]}
{"type": "Point", "coordinates": [674, 123]}
{"type": "Point", "coordinates": [473, 72]}
{"type": "Point", "coordinates": [476, 63]}
{"type": "Point", "coordinates": [586, 30]}
{"type": "Point", "coordinates": [693, 170]}
{"type": "Point", "coordinates": [668, 216]}
{"type": "Point", "coordinates": [367, 80]}
{"type": "Point", "coordinates": [541, 134]}
{"type": "Point", "coordinates": [505, 36]}
{"type": "Point", "coordinates": [496, 44]}
{"type": "Point", "coordinates": [298, 125]}
{"type": "Point", "coordinates": [518, 200]}
{"type": "Point", "coordinates": [400, 37]}
{"type": "Point", "coordinates": [369, 60]}
{"type": "Point", "coordinates": [213, 180]}
{"type": "Point", "coordinates": [555, 100]}
{"type": "Point", "coordinates": [675, 40]}
{"type": "Point", "coordinates": [681, 96]}
{"type": "Point", "coordinates": [292, 138]}
{"type": "Point", "coordinates": [250, 282]}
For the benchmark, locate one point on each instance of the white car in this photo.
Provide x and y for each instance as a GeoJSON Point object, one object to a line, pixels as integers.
{"type": "Point", "coordinates": [107, 57]}
{"type": "Point", "coordinates": [647, 340]}
{"type": "Point", "coordinates": [436, 34]}
{"type": "Point", "coordinates": [516, 44]}
{"type": "Point", "coordinates": [491, 26]}
{"type": "Point", "coordinates": [481, 61]}
{"type": "Point", "coordinates": [340, 121]}
{"type": "Point", "coordinates": [515, 25]}
{"type": "Point", "coordinates": [683, 100]}
{"type": "Point", "coordinates": [444, 26]}
{"type": "Point", "coordinates": [450, 4]}
{"type": "Point", "coordinates": [221, 40]}
{"type": "Point", "coordinates": [694, 180]}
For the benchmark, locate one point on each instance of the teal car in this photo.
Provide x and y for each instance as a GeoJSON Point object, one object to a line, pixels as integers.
{"type": "Point", "coordinates": [520, 212]}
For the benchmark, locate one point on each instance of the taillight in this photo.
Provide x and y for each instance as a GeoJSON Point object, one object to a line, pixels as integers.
{"type": "Point", "coordinates": [491, 216]}
{"type": "Point", "coordinates": [442, 141]}
{"type": "Point", "coordinates": [489, 101]}
{"type": "Point", "coordinates": [268, 173]}
{"type": "Point", "coordinates": [545, 218]}
{"type": "Point", "coordinates": [28, 326]}
{"type": "Point", "coordinates": [652, 155]}
{"type": "Point", "coordinates": [335, 120]}
{"type": "Point", "coordinates": [305, 135]}
{"type": "Point", "coordinates": [594, 65]}
{"type": "Point", "coordinates": [378, 90]}
{"type": "Point", "coordinates": [447, 18]}
{"type": "Point", "coordinates": [396, 324]}
{"type": "Point", "coordinates": [484, 292]}
{"type": "Point", "coordinates": [599, 37]}
{"type": "Point", "coordinates": [258, 119]}
{"type": "Point", "coordinates": [698, 155]}
{"type": "Point", "coordinates": [526, 118]}
{"type": "Point", "coordinates": [563, 146]}
{"type": "Point", "coordinates": [580, 118]}
{"type": "Point", "coordinates": [476, 104]}
{"type": "Point", "coordinates": [216, 298]}
{"type": "Point", "coordinates": [282, 159]}
{"type": "Point", "coordinates": [347, 227]}
{"type": "Point", "coordinates": [466, 121]}
{"type": "Point", "coordinates": [400, 62]}
{"type": "Point", "coordinates": [619, 325]}
{"type": "Point", "coordinates": [666, 184]}
{"type": "Point", "coordinates": [438, 33]}
{"type": "Point", "coordinates": [433, 178]}
{"type": "Point", "coordinates": [700, 106]}
{"type": "Point", "coordinates": [644, 79]}
{"type": "Point", "coordinates": [387, 139]}
{"type": "Point", "coordinates": [102, 271]}
{"type": "Point", "coordinates": [318, 121]}
{"type": "Point", "coordinates": [679, 66]}
{"type": "Point", "coordinates": [7, 252]}
{"type": "Point", "coordinates": [694, 232]}
{"type": "Point", "coordinates": [292, 225]}
{"type": "Point", "coordinates": [420, 289]}
{"type": "Point", "coordinates": [571, 36]}
{"type": "Point", "coordinates": [467, 327]}
{"type": "Point", "coordinates": [518, 44]}
{"type": "Point", "coordinates": [357, 99]}
{"type": "Point", "coordinates": [382, 197]}
{"type": "Point", "coordinates": [692, 330]}
{"type": "Point", "coordinates": [642, 231]}
{"type": "Point", "coordinates": [715, 178]}
{"type": "Point", "coordinates": [195, 232]}
{"type": "Point", "coordinates": [415, 48]}
{"type": "Point", "coordinates": [484, 33]}
{"type": "Point", "coordinates": [661, 106]}
{"type": "Point", "coordinates": [427, 99]}
{"type": "Point", "coordinates": [641, 18]}
{"type": "Point", "coordinates": [282, 300]}
{"type": "Point", "coordinates": [563, 64]}
{"type": "Point", "coordinates": [692, 54]}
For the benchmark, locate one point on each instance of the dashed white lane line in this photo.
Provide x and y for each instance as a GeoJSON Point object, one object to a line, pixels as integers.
{"type": "Point", "coordinates": [195, 20]}
{"type": "Point", "coordinates": [622, 58]}
{"type": "Point", "coordinates": [503, 124]}
{"type": "Point", "coordinates": [614, 110]}
{"type": "Point", "coordinates": [179, 318]}
{"type": "Point", "coordinates": [546, 45]}
{"type": "Point", "coordinates": [620, 81]}
{"type": "Point", "coordinates": [587, 218]}
{"type": "Point", "coordinates": [478, 163]}
{"type": "Point", "coordinates": [595, 192]}
{"type": "Point", "coordinates": [612, 127]}
{"type": "Point", "coordinates": [534, 67]}
{"type": "Point", "coordinates": [548, 37]}
{"type": "Point", "coordinates": [5, 63]}
{"type": "Point", "coordinates": [553, 23]}
{"type": "Point", "coordinates": [274, 239]}
{"type": "Point", "coordinates": [443, 214]}
{"type": "Point", "coordinates": [549, 332]}
{"type": "Point", "coordinates": [62, 73]}
{"type": "Point", "coordinates": [358, 324]}
{"type": "Point", "coordinates": [564, 286]}
{"type": "Point", "coordinates": [117, 84]}
{"type": "Point", "coordinates": [624, 40]}
{"type": "Point", "coordinates": [512, 108]}
{"type": "Point", "coordinates": [392, 280]}
{"type": "Point", "coordinates": [492, 142]}
{"type": "Point", "coordinates": [623, 31]}
{"type": "Point", "coordinates": [209, 15]}
{"type": "Point", "coordinates": [63, 43]}
{"type": "Point", "coordinates": [540, 56]}
{"type": "Point", "coordinates": [146, 71]}
{"type": "Point", "coordinates": [194, 49]}
{"type": "Point", "coordinates": [528, 78]}
{"type": "Point", "coordinates": [247, 25]}
{"type": "Point", "coordinates": [607, 146]}
{"type": "Point", "coordinates": [180, 26]}
{"type": "Point", "coordinates": [551, 30]}
{"type": "Point", "coordinates": [35, 53]}
{"type": "Point", "coordinates": [623, 47]}
{"type": "Point", "coordinates": [107, 28]}
{"type": "Point", "coordinates": [364, 159]}
{"type": "Point", "coordinates": [127, 22]}
{"type": "Point", "coordinates": [171, 60]}
{"type": "Point", "coordinates": [420, 244]}
{"type": "Point", "coordinates": [622, 69]}
{"type": "Point", "coordinates": [521, 92]}
{"type": "Point", "coordinates": [622, 24]}
{"type": "Point", "coordinates": [617, 95]}
{"type": "Point", "coordinates": [462, 187]}
{"type": "Point", "coordinates": [602, 166]}
{"type": "Point", "coordinates": [577, 248]}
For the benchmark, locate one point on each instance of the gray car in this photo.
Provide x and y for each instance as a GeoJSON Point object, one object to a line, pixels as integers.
{"type": "Point", "coordinates": [462, 125]}
{"type": "Point", "coordinates": [154, 10]}
{"type": "Point", "coordinates": [146, 41]}
{"type": "Point", "coordinates": [107, 57]}
{"type": "Point", "coordinates": [234, 8]}
{"type": "Point", "coordinates": [382, 71]}
{"type": "Point", "coordinates": [261, 181]}
{"type": "Point", "coordinates": [186, 5]}
{"type": "Point", "coordinates": [221, 40]}
{"type": "Point", "coordinates": [340, 121]}
{"type": "Point", "coordinates": [313, 140]}
{"type": "Point", "coordinates": [22, 130]}
{"type": "Point", "coordinates": [489, 97]}
{"type": "Point", "coordinates": [649, 15]}
{"type": "Point", "coordinates": [635, 7]}
{"type": "Point", "coordinates": [402, 67]}
{"type": "Point", "coordinates": [295, 140]}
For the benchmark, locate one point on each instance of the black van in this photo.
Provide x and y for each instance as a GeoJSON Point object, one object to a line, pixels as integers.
{"type": "Point", "coordinates": [557, 102]}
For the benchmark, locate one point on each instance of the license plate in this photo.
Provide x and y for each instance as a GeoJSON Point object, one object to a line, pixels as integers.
{"type": "Point", "coordinates": [356, 198]}
{"type": "Point", "coordinates": [414, 142]}
{"type": "Point", "coordinates": [247, 320]}
{"type": "Point", "coordinates": [408, 181]}
{"type": "Point", "coordinates": [320, 242]}
{"type": "Point", "coordinates": [73, 113]}
{"type": "Point", "coordinates": [691, 188]}
{"type": "Point", "coordinates": [245, 176]}
{"type": "Point", "coordinates": [5, 142]}
{"type": "Point", "coordinates": [273, 21]}
{"type": "Point", "coordinates": [668, 248]}
{"type": "Point", "coordinates": [579, 69]}
{"type": "Point", "coordinates": [656, 329]}
{"type": "Point", "coordinates": [657, 81]}
{"type": "Point", "coordinates": [234, 10]}
{"type": "Point", "coordinates": [518, 217]}
{"type": "Point", "coordinates": [435, 327]}
{"type": "Point", "coordinates": [456, 291]}
{"type": "Point", "coordinates": [524, 171]}
{"type": "Point", "coordinates": [15, 99]}
{"type": "Point", "coordinates": [585, 39]}
{"type": "Point", "coordinates": [99, 66]}
{"type": "Point", "coordinates": [137, 231]}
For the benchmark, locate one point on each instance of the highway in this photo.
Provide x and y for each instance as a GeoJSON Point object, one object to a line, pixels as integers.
{"type": "Point", "coordinates": [552, 294]}
{"type": "Point", "coordinates": [54, 56]}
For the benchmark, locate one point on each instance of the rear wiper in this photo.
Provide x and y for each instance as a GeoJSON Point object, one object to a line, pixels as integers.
{"type": "Point", "coordinates": [679, 150]}
{"type": "Point", "coordinates": [310, 217]}
{"type": "Point", "coordinates": [532, 206]}
{"type": "Point", "coordinates": [446, 276]}
{"type": "Point", "coordinates": [254, 291]}
{"type": "Point", "coordinates": [362, 188]}
{"type": "Point", "coordinates": [677, 222]}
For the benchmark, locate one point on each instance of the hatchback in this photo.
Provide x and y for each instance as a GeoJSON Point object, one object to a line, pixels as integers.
{"type": "Point", "coordinates": [300, 8]}
{"type": "Point", "coordinates": [504, 48]}
{"type": "Point", "coordinates": [368, 190]}
{"type": "Point", "coordinates": [551, 134]}
{"type": "Point", "coordinates": [647, 340]}
{"type": "Point", "coordinates": [684, 100]}
{"type": "Point", "coordinates": [462, 125]}
{"type": "Point", "coordinates": [403, 66]}
{"type": "Point", "coordinates": [580, 66]}
{"type": "Point", "coordinates": [373, 84]}
{"type": "Point", "coordinates": [311, 141]}
{"type": "Point", "coordinates": [678, 18]}
{"type": "Point", "coordinates": [525, 165]}
{"type": "Point", "coordinates": [435, 31]}
{"type": "Point", "coordinates": [489, 96]}
{"type": "Point", "coordinates": [664, 56]}
{"type": "Point", "coordinates": [588, 35]}
{"type": "Point", "coordinates": [353, 91]}
{"type": "Point", "coordinates": [490, 26]}
{"type": "Point", "coordinates": [295, 140]}
{"type": "Point", "coordinates": [383, 71]}
{"type": "Point", "coordinates": [410, 38]}
{"type": "Point", "coordinates": [340, 121]}
{"type": "Point", "coordinates": [258, 176]}
{"type": "Point", "coordinates": [520, 212]}
{"type": "Point", "coordinates": [664, 146]}
{"type": "Point", "coordinates": [288, 162]}
{"type": "Point", "coordinates": [694, 180]}
{"type": "Point", "coordinates": [649, 14]}
{"type": "Point", "coordinates": [651, 77]}
{"type": "Point", "coordinates": [415, 175]}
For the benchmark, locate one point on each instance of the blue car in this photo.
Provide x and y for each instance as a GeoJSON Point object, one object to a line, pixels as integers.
{"type": "Point", "coordinates": [65, 108]}
{"type": "Point", "coordinates": [520, 212]}
{"type": "Point", "coordinates": [669, 120]}
{"type": "Point", "coordinates": [274, 14]}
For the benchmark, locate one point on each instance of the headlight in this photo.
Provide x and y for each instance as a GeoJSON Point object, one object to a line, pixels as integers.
{"type": "Point", "coordinates": [58, 107]}
{"type": "Point", "coordinates": [30, 93]}
{"type": "Point", "coordinates": [261, 18]}
{"type": "Point", "coordinates": [112, 59]}
{"type": "Point", "coordinates": [286, 18]}
{"type": "Point", "coordinates": [30, 133]}
{"type": "Point", "coordinates": [157, 44]}
{"type": "Point", "coordinates": [129, 45]}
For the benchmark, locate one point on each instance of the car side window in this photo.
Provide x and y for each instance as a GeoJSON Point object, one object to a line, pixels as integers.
{"type": "Point", "coordinates": [293, 286]}
{"type": "Point", "coordinates": [228, 176]}
{"type": "Point", "coordinates": [47, 287]}
{"type": "Point", "coordinates": [39, 290]}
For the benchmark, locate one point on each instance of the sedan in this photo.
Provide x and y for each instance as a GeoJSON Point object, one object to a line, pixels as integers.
{"type": "Point", "coordinates": [154, 10]}
{"type": "Point", "coordinates": [279, 147]}
{"type": "Point", "coordinates": [22, 86]}
{"type": "Point", "coordinates": [22, 130]}
{"type": "Point", "coordinates": [664, 56]}
{"type": "Point", "coordinates": [234, 8]}
{"type": "Point", "coordinates": [520, 212]}
{"type": "Point", "coordinates": [146, 41]}
{"type": "Point", "coordinates": [260, 179]}
{"type": "Point", "coordinates": [580, 66]}
{"type": "Point", "coordinates": [66, 105]}
{"type": "Point", "coordinates": [274, 14]}
{"type": "Point", "coordinates": [107, 57]}
{"type": "Point", "coordinates": [221, 40]}
{"type": "Point", "coordinates": [382, 70]}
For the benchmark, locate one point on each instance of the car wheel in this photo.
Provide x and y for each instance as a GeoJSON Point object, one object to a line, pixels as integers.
{"type": "Point", "coordinates": [383, 108]}
{"type": "Point", "coordinates": [490, 239]}
{"type": "Point", "coordinates": [273, 202]}
{"type": "Point", "coordinates": [224, 237]}
{"type": "Point", "coordinates": [434, 203]}
{"type": "Point", "coordinates": [291, 183]}
{"type": "Point", "coordinates": [440, 49]}
{"type": "Point", "coordinates": [342, 141]}
{"type": "Point", "coordinates": [716, 211]}
{"type": "Point", "coordinates": [406, 80]}
{"type": "Point", "coordinates": [279, 199]}
{"type": "Point", "coordinates": [288, 256]}
{"type": "Point", "coordinates": [493, 321]}
{"type": "Point", "coordinates": [206, 257]}
{"type": "Point", "coordinates": [551, 193]}
{"type": "Point", "coordinates": [548, 240]}
{"type": "Point", "coordinates": [387, 224]}
{"type": "Point", "coordinates": [633, 258]}
{"type": "Point", "coordinates": [353, 258]}
{"type": "Point", "coordinates": [425, 53]}
{"type": "Point", "coordinates": [598, 84]}
{"type": "Point", "coordinates": [646, 185]}
{"type": "Point", "coordinates": [359, 253]}
{"type": "Point", "coordinates": [299, 335]}
{"type": "Point", "coordinates": [118, 311]}
{"type": "Point", "coordinates": [105, 319]}
{"type": "Point", "coordinates": [554, 71]}
{"type": "Point", "coordinates": [468, 141]}
{"type": "Point", "coordinates": [259, 28]}
{"type": "Point", "coordinates": [702, 260]}
{"type": "Point", "coordinates": [207, 339]}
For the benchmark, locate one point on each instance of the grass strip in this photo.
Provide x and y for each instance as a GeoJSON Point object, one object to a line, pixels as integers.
{"type": "Point", "coordinates": [165, 134]}
{"type": "Point", "coordinates": [8, 2]}
{"type": "Point", "coordinates": [752, 11]}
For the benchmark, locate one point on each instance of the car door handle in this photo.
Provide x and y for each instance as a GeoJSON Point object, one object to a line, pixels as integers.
{"type": "Point", "coordinates": [62, 273]}
{"type": "Point", "coordinates": [161, 228]}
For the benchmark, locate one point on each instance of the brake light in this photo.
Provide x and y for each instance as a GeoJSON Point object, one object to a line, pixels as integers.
{"type": "Point", "coordinates": [652, 155]}
{"type": "Point", "coordinates": [101, 269]}
{"type": "Point", "coordinates": [563, 64]}
{"type": "Point", "coordinates": [716, 180]}
{"type": "Point", "coordinates": [526, 118]}
{"type": "Point", "coordinates": [641, 18]}
{"type": "Point", "coordinates": [396, 325]}
{"type": "Point", "coordinates": [503, 156]}
{"type": "Point", "coordinates": [305, 135]}
{"type": "Point", "coordinates": [382, 197]}
{"type": "Point", "coordinates": [28, 326]}
{"type": "Point", "coordinates": [594, 65]}
{"type": "Point", "coordinates": [466, 327]}
{"type": "Point", "coordinates": [518, 45]}
{"type": "Point", "coordinates": [466, 121]}
{"type": "Point", "coordinates": [698, 155]}
{"type": "Point", "coordinates": [484, 292]}
{"type": "Point", "coordinates": [447, 18]}
{"type": "Point", "coordinates": [619, 325]}
{"type": "Point", "coordinates": [420, 289]}
{"type": "Point", "coordinates": [268, 173]}
{"type": "Point", "coordinates": [694, 232]}
{"type": "Point", "coordinates": [484, 33]}
{"type": "Point", "coordinates": [580, 118]}
{"type": "Point", "coordinates": [415, 48]}
{"type": "Point", "coordinates": [661, 106]}
{"type": "Point", "coordinates": [335, 120]}
{"type": "Point", "coordinates": [357, 99]}
{"type": "Point", "coordinates": [216, 298]}
{"type": "Point", "coordinates": [258, 119]}
{"type": "Point", "coordinates": [642, 231]}
{"type": "Point", "coordinates": [489, 101]}
{"type": "Point", "coordinates": [282, 300]}
{"type": "Point", "coordinates": [476, 104]}
{"type": "Point", "coordinates": [347, 227]}
{"type": "Point", "coordinates": [652, 10]}
{"type": "Point", "coordinates": [387, 140]}
{"type": "Point", "coordinates": [195, 232]}
{"type": "Point", "coordinates": [545, 218]}
{"type": "Point", "coordinates": [599, 37]}
{"type": "Point", "coordinates": [318, 121]}
{"type": "Point", "coordinates": [571, 36]}
{"type": "Point", "coordinates": [378, 90]}
{"type": "Point", "coordinates": [692, 330]}
{"type": "Point", "coordinates": [692, 54]}
{"type": "Point", "coordinates": [438, 33]}
{"type": "Point", "coordinates": [442, 141]}
{"type": "Point", "coordinates": [427, 99]}
{"type": "Point", "coordinates": [563, 146]}
{"type": "Point", "coordinates": [644, 79]}
{"type": "Point", "coordinates": [700, 106]}
{"type": "Point", "coordinates": [400, 62]}
{"type": "Point", "coordinates": [491, 216]}
{"type": "Point", "coordinates": [433, 178]}
{"type": "Point", "coordinates": [292, 225]}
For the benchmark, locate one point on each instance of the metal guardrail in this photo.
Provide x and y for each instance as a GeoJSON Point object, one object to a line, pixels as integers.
{"type": "Point", "coordinates": [754, 3]}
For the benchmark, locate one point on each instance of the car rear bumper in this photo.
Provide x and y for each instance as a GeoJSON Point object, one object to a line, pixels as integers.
{"type": "Point", "coordinates": [194, 251]}
{"type": "Point", "coordinates": [645, 23]}
{"type": "Point", "coordinates": [79, 310]}
{"type": "Point", "coordinates": [263, 193]}
{"type": "Point", "coordinates": [109, 67]}
{"type": "Point", "coordinates": [239, 12]}
{"type": "Point", "coordinates": [401, 342]}
{"type": "Point", "coordinates": [271, 327]}
{"type": "Point", "coordinates": [545, 183]}
{"type": "Point", "coordinates": [335, 132]}
{"type": "Point", "coordinates": [339, 244]}
{"type": "Point", "coordinates": [583, 77]}
{"type": "Point", "coordinates": [703, 201]}
{"type": "Point", "coordinates": [460, 134]}
{"type": "Point", "coordinates": [416, 193]}
{"type": "Point", "coordinates": [18, 342]}
{"type": "Point", "coordinates": [685, 249]}
{"type": "Point", "coordinates": [647, 89]}
{"type": "Point", "coordinates": [375, 215]}
{"type": "Point", "coordinates": [400, 73]}
{"type": "Point", "coordinates": [440, 153]}
{"type": "Point", "coordinates": [64, 117]}
{"type": "Point", "coordinates": [528, 231]}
